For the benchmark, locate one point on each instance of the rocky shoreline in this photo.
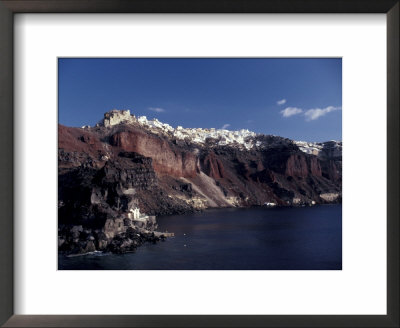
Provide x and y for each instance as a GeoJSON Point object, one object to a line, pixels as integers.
{"type": "Point", "coordinates": [119, 235]}
{"type": "Point", "coordinates": [75, 240]}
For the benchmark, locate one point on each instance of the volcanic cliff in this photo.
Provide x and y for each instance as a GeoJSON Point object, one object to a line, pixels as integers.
{"type": "Point", "coordinates": [167, 170]}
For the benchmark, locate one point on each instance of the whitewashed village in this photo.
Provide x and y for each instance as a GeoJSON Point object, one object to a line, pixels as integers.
{"type": "Point", "coordinates": [243, 137]}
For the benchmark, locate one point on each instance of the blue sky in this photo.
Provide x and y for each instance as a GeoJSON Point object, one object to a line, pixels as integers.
{"type": "Point", "coordinates": [296, 98]}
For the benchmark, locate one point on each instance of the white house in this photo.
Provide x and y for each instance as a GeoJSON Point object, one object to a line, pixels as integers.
{"type": "Point", "coordinates": [134, 213]}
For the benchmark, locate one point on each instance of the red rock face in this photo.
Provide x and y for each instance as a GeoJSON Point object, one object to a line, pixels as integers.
{"type": "Point", "coordinates": [315, 167]}
{"type": "Point", "coordinates": [296, 166]}
{"type": "Point", "coordinates": [165, 159]}
{"type": "Point", "coordinates": [76, 140]}
{"type": "Point", "coordinates": [299, 166]}
{"type": "Point", "coordinates": [189, 164]}
{"type": "Point", "coordinates": [213, 167]}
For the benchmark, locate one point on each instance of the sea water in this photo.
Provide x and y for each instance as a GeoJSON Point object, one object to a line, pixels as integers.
{"type": "Point", "coordinates": [298, 238]}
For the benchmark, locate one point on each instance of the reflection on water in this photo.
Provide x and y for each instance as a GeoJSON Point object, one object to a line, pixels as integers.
{"type": "Point", "coordinates": [308, 238]}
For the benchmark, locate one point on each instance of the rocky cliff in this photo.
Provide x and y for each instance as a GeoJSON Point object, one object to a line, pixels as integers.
{"type": "Point", "coordinates": [126, 160]}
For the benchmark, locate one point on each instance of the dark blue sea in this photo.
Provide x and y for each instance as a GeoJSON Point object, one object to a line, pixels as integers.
{"type": "Point", "coordinates": [305, 238]}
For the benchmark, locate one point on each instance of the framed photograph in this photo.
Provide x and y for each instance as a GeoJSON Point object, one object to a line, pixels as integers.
{"type": "Point", "coordinates": [199, 164]}
{"type": "Point", "coordinates": [165, 187]}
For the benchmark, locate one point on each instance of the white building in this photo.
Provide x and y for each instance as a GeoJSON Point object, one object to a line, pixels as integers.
{"type": "Point", "coordinates": [134, 213]}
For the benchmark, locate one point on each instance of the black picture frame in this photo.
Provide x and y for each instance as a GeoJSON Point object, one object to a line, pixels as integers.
{"type": "Point", "coordinates": [10, 7]}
